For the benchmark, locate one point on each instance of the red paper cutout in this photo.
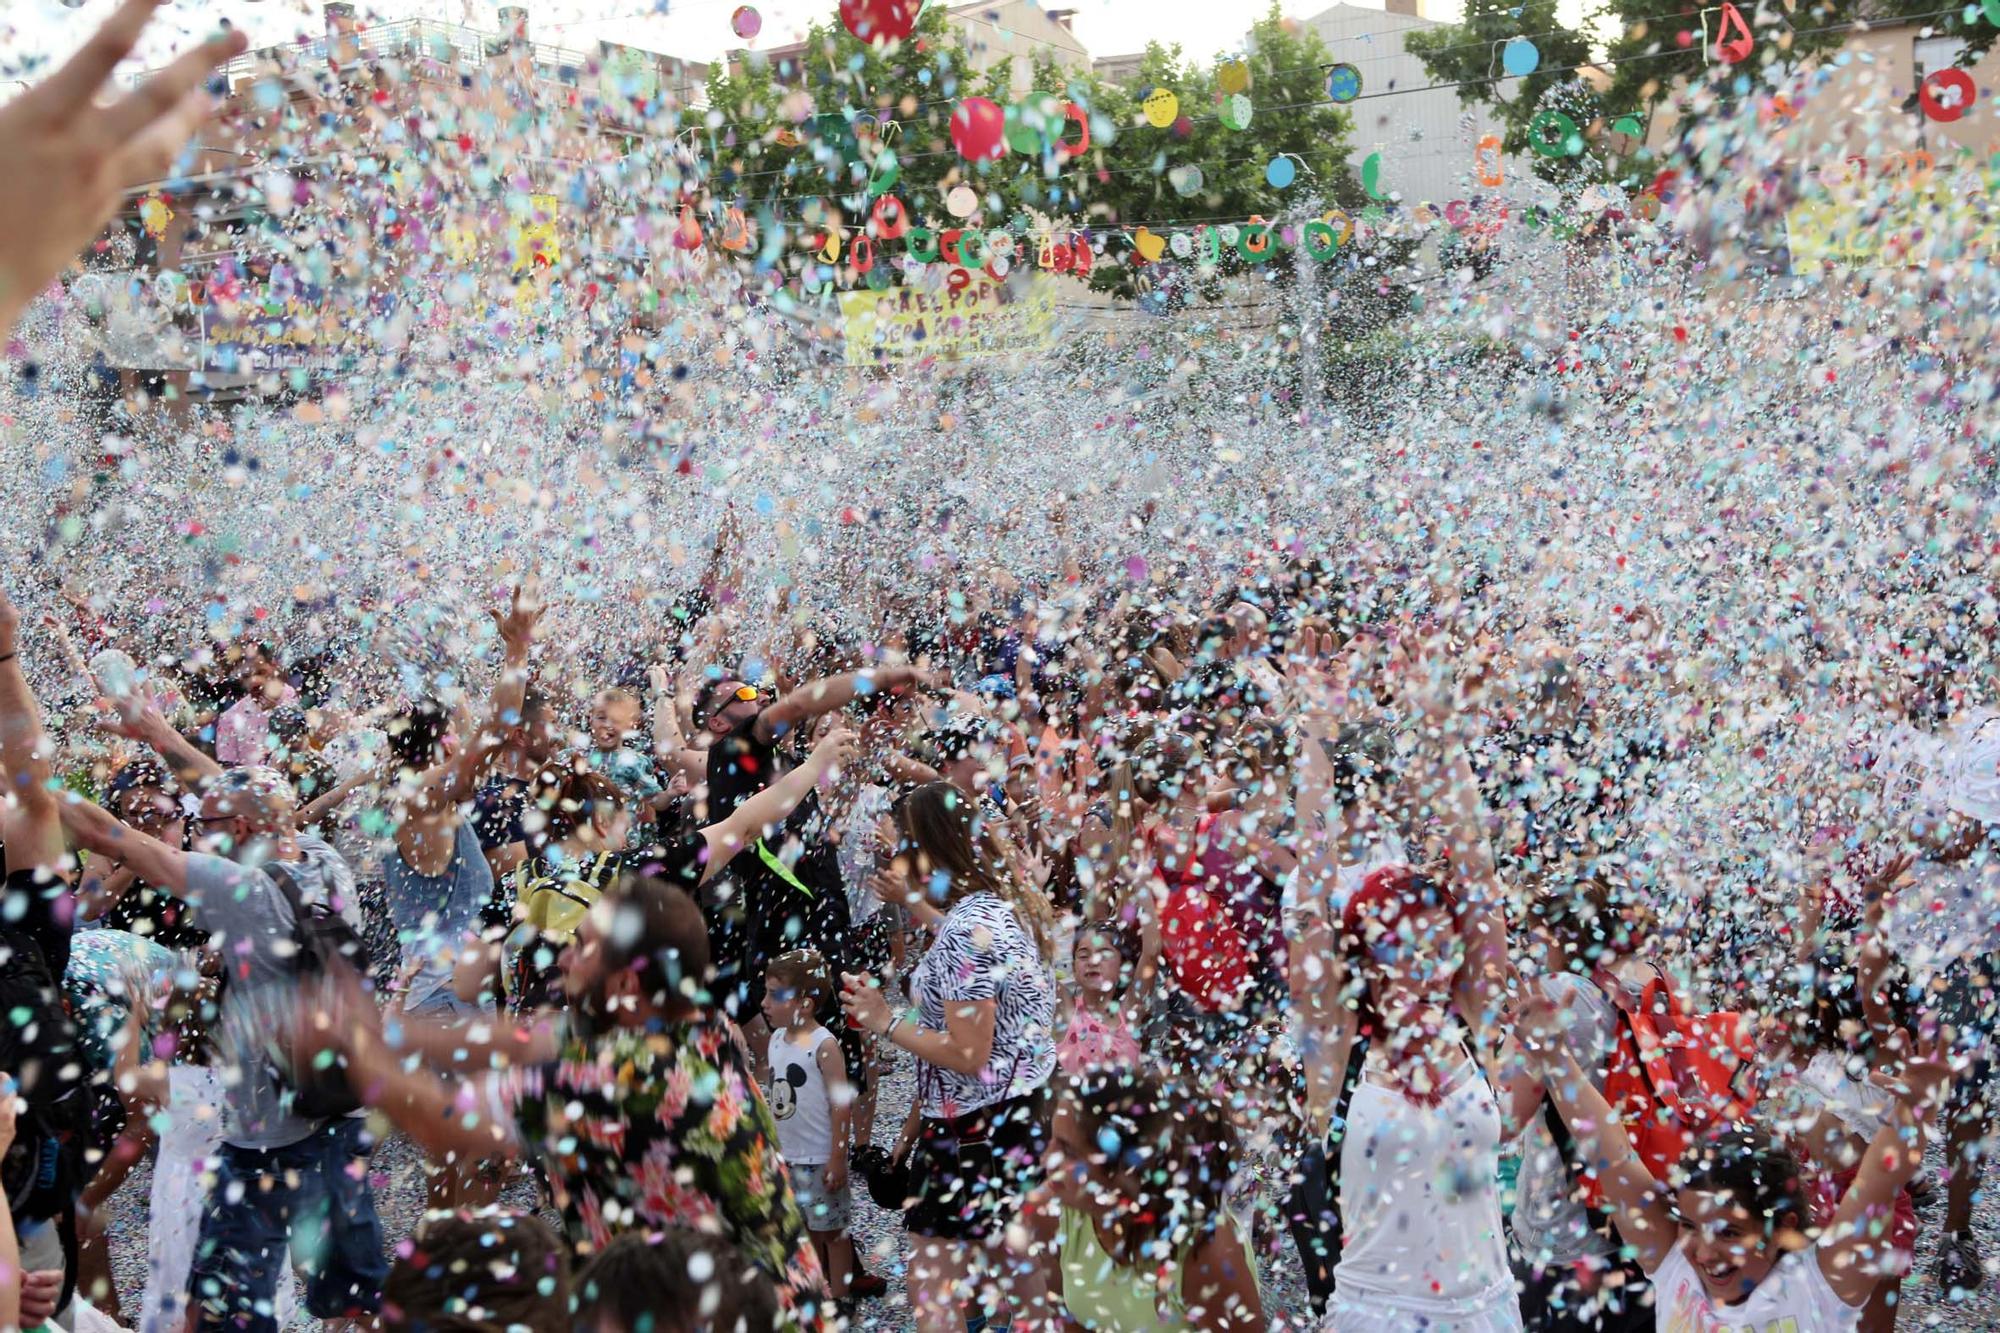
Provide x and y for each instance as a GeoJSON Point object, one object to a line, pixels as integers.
{"type": "Point", "coordinates": [1733, 49]}
{"type": "Point", "coordinates": [1938, 81]}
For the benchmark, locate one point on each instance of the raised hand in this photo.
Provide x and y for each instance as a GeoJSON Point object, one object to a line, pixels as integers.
{"type": "Point", "coordinates": [1538, 1025]}
{"type": "Point", "coordinates": [134, 718]}
{"type": "Point", "coordinates": [836, 750]}
{"type": "Point", "coordinates": [518, 623]}
{"type": "Point", "coordinates": [66, 159]}
{"type": "Point", "coordinates": [1922, 1080]}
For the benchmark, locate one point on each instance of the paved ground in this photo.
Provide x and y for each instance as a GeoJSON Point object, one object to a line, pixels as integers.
{"type": "Point", "coordinates": [400, 1192]}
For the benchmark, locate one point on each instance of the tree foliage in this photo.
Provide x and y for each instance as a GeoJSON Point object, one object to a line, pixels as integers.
{"type": "Point", "coordinates": [1659, 46]}
{"type": "Point", "coordinates": [795, 141]}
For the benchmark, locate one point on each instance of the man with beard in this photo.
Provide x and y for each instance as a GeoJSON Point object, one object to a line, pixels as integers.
{"type": "Point", "coordinates": [640, 1097]}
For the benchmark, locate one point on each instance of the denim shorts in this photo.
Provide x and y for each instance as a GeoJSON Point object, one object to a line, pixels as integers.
{"type": "Point", "coordinates": [824, 1210]}
{"type": "Point", "coordinates": [308, 1204]}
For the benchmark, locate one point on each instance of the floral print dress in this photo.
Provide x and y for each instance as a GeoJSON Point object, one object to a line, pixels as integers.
{"type": "Point", "coordinates": [650, 1130]}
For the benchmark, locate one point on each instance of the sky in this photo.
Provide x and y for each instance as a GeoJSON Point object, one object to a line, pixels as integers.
{"type": "Point", "coordinates": [38, 30]}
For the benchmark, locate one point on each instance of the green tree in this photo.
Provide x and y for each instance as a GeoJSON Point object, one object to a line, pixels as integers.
{"type": "Point", "coordinates": [800, 140]}
{"type": "Point", "coordinates": [1209, 165]}
{"type": "Point", "coordinates": [813, 140]}
{"type": "Point", "coordinates": [1654, 47]}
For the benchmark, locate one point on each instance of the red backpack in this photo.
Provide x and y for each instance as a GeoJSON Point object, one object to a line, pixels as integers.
{"type": "Point", "coordinates": [1204, 950]}
{"type": "Point", "coordinates": [1671, 1077]}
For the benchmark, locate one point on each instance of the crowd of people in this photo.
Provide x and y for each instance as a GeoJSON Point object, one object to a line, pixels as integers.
{"type": "Point", "coordinates": [1297, 915]}
{"type": "Point", "coordinates": [1308, 913]}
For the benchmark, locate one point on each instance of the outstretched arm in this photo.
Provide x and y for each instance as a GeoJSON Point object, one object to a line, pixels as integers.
{"type": "Point", "coordinates": [149, 727]}
{"type": "Point", "coordinates": [1316, 958]}
{"type": "Point", "coordinates": [452, 782]}
{"type": "Point", "coordinates": [443, 1117]}
{"type": "Point", "coordinates": [1894, 1154]}
{"type": "Point", "coordinates": [775, 803]}
{"type": "Point", "coordinates": [144, 855]}
{"type": "Point", "coordinates": [824, 696]}
{"type": "Point", "coordinates": [30, 826]}
{"type": "Point", "coordinates": [1638, 1204]}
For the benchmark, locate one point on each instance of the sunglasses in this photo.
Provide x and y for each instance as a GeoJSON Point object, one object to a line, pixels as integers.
{"type": "Point", "coordinates": [747, 693]}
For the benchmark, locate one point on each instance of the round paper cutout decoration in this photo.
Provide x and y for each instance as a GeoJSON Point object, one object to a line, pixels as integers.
{"type": "Point", "coordinates": [1161, 108]}
{"type": "Point", "coordinates": [746, 22]}
{"type": "Point", "coordinates": [1947, 94]}
{"type": "Point", "coordinates": [1552, 134]}
{"type": "Point", "coordinates": [1343, 83]}
{"type": "Point", "coordinates": [979, 129]}
{"type": "Point", "coordinates": [1236, 111]}
{"type": "Point", "coordinates": [880, 20]}
{"type": "Point", "coordinates": [1627, 133]}
{"type": "Point", "coordinates": [1233, 76]}
{"type": "Point", "coordinates": [882, 177]}
{"type": "Point", "coordinates": [1520, 58]}
{"type": "Point", "coordinates": [1281, 172]}
{"type": "Point", "coordinates": [1185, 180]}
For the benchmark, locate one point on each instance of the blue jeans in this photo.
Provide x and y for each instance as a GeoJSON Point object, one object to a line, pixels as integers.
{"type": "Point", "coordinates": [308, 1203]}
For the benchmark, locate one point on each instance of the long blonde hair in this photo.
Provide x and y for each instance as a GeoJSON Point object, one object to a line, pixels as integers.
{"type": "Point", "coordinates": [949, 834]}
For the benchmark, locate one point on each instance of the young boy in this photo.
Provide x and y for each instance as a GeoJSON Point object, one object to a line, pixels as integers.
{"type": "Point", "coordinates": [811, 1100]}
{"type": "Point", "coordinates": [615, 718]}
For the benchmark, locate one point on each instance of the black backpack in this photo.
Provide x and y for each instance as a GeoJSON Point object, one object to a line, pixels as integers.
{"type": "Point", "coordinates": [44, 1170]}
{"type": "Point", "coordinates": [327, 947]}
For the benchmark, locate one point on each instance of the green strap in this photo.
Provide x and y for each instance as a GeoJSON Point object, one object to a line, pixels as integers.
{"type": "Point", "coordinates": [781, 870]}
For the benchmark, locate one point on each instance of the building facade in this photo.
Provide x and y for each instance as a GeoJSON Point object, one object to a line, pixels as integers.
{"type": "Point", "coordinates": [1015, 32]}
{"type": "Point", "coordinates": [1425, 135]}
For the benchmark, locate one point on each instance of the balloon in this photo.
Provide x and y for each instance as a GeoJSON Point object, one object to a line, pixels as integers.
{"type": "Point", "coordinates": [746, 22]}
{"type": "Point", "coordinates": [880, 20]}
{"type": "Point", "coordinates": [1034, 123]}
{"type": "Point", "coordinates": [978, 130]}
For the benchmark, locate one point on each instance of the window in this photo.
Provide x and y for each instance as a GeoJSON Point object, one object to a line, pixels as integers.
{"type": "Point", "coordinates": [1936, 53]}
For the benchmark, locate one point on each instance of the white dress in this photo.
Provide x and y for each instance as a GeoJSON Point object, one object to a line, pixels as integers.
{"type": "Point", "coordinates": [189, 1142]}
{"type": "Point", "coordinates": [1794, 1295]}
{"type": "Point", "coordinates": [1424, 1247]}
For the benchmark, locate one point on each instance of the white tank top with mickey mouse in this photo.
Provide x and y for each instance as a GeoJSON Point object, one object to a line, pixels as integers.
{"type": "Point", "coordinates": [798, 1099]}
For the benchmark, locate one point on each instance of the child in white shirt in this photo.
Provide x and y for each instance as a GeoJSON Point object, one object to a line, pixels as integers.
{"type": "Point", "coordinates": [811, 1100]}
